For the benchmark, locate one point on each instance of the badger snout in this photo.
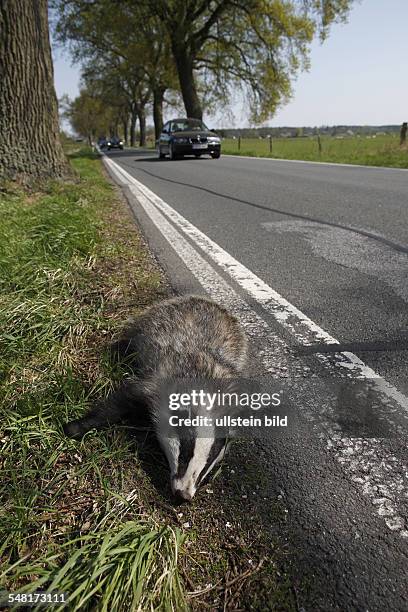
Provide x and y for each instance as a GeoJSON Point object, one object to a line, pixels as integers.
{"type": "Point", "coordinates": [184, 491]}
{"type": "Point", "coordinates": [191, 462]}
{"type": "Point", "coordinates": [183, 495]}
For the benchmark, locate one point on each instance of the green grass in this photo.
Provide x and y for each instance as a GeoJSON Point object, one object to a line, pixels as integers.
{"type": "Point", "coordinates": [91, 518]}
{"type": "Point", "coordinates": [72, 516]}
{"type": "Point", "coordinates": [128, 566]}
{"type": "Point", "coordinates": [383, 150]}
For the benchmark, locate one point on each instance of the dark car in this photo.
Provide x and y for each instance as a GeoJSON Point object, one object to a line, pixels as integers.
{"type": "Point", "coordinates": [114, 143]}
{"type": "Point", "coordinates": [102, 142]}
{"type": "Point", "coordinates": [187, 137]}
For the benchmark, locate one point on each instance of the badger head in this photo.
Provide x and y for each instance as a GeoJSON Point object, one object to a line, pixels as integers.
{"type": "Point", "coordinates": [193, 449]}
{"type": "Point", "coordinates": [191, 461]}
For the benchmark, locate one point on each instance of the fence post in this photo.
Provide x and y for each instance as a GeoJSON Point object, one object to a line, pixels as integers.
{"type": "Point", "coordinates": [403, 133]}
{"type": "Point", "coordinates": [270, 143]}
{"type": "Point", "coordinates": [319, 144]}
{"type": "Point", "coordinates": [239, 142]}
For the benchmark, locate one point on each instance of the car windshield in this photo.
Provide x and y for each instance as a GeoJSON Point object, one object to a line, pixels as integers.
{"type": "Point", "coordinates": [188, 125]}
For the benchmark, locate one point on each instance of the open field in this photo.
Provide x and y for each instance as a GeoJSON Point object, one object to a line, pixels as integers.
{"type": "Point", "coordinates": [95, 518]}
{"type": "Point", "coordinates": [382, 150]}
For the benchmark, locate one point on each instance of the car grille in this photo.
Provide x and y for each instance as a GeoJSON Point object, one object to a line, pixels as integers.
{"type": "Point", "coordinates": [196, 140]}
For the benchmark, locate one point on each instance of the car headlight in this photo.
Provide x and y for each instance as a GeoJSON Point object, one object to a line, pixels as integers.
{"type": "Point", "coordinates": [120, 141]}
{"type": "Point", "coordinates": [181, 140]}
{"type": "Point", "coordinates": [214, 140]}
{"type": "Point", "coordinates": [108, 143]}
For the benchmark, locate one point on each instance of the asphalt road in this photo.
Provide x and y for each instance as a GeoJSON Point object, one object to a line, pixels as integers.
{"type": "Point", "coordinates": [307, 254]}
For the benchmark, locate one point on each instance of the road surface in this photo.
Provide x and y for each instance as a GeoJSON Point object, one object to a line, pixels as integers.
{"type": "Point", "coordinates": [313, 258]}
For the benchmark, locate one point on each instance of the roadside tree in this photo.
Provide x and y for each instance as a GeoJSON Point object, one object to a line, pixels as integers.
{"type": "Point", "coordinates": [30, 147]}
{"type": "Point", "coordinates": [129, 39]}
{"type": "Point", "coordinates": [258, 45]}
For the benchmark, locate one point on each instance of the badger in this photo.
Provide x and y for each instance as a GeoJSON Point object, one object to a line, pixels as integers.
{"type": "Point", "coordinates": [171, 346]}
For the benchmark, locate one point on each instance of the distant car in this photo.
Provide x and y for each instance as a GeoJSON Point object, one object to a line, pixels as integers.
{"type": "Point", "coordinates": [184, 136]}
{"type": "Point", "coordinates": [102, 142]}
{"type": "Point", "coordinates": [114, 143]}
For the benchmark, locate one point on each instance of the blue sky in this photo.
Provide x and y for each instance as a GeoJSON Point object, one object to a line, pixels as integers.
{"type": "Point", "coordinates": [358, 76]}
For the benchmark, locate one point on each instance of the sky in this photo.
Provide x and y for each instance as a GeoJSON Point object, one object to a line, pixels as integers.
{"type": "Point", "coordinates": [357, 77]}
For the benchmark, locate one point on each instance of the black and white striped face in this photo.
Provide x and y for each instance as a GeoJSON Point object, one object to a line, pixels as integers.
{"type": "Point", "coordinates": [191, 460]}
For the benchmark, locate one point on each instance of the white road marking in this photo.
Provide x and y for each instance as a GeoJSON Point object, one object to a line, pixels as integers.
{"type": "Point", "coordinates": [381, 472]}
{"type": "Point", "coordinates": [298, 324]}
{"type": "Point", "coordinates": [273, 349]}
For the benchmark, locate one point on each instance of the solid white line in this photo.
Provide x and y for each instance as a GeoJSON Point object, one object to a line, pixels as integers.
{"type": "Point", "coordinates": [305, 161]}
{"type": "Point", "coordinates": [300, 326]}
{"type": "Point", "coordinates": [273, 349]}
{"type": "Point", "coordinates": [381, 471]}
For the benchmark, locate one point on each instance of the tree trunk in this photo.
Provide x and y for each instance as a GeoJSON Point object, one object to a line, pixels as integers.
{"type": "Point", "coordinates": [30, 146]}
{"type": "Point", "coordinates": [158, 96]}
{"type": "Point", "coordinates": [125, 131]}
{"type": "Point", "coordinates": [184, 64]}
{"type": "Point", "coordinates": [141, 114]}
{"type": "Point", "coordinates": [133, 117]}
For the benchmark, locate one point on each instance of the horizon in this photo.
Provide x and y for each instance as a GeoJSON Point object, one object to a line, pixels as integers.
{"type": "Point", "coordinates": [323, 125]}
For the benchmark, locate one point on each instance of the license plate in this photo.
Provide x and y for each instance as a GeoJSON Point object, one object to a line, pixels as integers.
{"type": "Point", "coordinates": [199, 146]}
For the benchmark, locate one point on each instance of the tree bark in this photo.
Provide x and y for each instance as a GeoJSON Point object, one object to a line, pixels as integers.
{"type": "Point", "coordinates": [158, 97]}
{"type": "Point", "coordinates": [30, 147]}
{"type": "Point", "coordinates": [125, 131]}
{"type": "Point", "coordinates": [184, 64]}
{"type": "Point", "coordinates": [141, 114]}
{"type": "Point", "coordinates": [133, 118]}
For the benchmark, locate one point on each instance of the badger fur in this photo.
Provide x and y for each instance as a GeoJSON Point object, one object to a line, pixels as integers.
{"type": "Point", "coordinates": [184, 338]}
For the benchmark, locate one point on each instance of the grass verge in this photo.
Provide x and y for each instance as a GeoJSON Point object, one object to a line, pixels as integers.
{"type": "Point", "coordinates": [96, 518]}
{"type": "Point", "coordinates": [383, 150]}
{"type": "Point", "coordinates": [71, 267]}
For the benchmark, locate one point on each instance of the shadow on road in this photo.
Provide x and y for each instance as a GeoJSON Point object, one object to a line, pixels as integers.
{"type": "Point", "coordinates": [151, 156]}
{"type": "Point", "coordinates": [130, 152]}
